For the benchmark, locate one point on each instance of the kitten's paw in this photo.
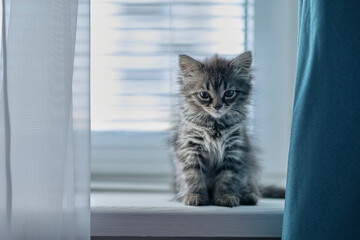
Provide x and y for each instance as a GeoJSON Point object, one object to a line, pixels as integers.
{"type": "Point", "coordinates": [227, 200]}
{"type": "Point", "coordinates": [196, 200]}
{"type": "Point", "coordinates": [249, 199]}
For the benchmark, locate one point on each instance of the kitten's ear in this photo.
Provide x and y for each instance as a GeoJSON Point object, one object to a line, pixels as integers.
{"type": "Point", "coordinates": [243, 61]}
{"type": "Point", "coordinates": [188, 65]}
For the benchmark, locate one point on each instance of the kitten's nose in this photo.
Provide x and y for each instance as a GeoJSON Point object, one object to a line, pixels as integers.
{"type": "Point", "coordinates": [217, 107]}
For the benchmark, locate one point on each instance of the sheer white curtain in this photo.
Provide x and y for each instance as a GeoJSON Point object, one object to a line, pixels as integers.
{"type": "Point", "coordinates": [44, 120]}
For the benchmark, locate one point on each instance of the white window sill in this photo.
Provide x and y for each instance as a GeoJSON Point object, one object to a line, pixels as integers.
{"type": "Point", "coordinates": [156, 215]}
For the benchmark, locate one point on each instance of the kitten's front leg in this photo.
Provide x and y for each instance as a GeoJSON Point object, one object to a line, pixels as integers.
{"type": "Point", "coordinates": [231, 187]}
{"type": "Point", "coordinates": [195, 180]}
{"type": "Point", "coordinates": [225, 189]}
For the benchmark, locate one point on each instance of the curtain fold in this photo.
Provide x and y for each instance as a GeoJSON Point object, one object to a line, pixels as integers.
{"type": "Point", "coordinates": [44, 120]}
{"type": "Point", "coordinates": [323, 186]}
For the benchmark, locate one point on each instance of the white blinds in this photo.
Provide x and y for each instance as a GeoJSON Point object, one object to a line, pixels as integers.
{"type": "Point", "coordinates": [135, 45]}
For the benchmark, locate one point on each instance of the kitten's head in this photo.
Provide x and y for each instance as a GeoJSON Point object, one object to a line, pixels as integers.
{"type": "Point", "coordinates": [216, 86]}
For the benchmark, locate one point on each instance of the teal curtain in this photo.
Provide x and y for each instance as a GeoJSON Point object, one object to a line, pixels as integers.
{"type": "Point", "coordinates": [323, 188]}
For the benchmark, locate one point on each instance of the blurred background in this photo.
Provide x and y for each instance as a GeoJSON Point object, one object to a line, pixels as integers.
{"type": "Point", "coordinates": [134, 69]}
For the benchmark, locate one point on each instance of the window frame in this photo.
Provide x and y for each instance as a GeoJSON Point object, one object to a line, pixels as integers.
{"type": "Point", "coordinates": [271, 16]}
{"type": "Point", "coordinates": [108, 174]}
{"type": "Point", "coordinates": [275, 23]}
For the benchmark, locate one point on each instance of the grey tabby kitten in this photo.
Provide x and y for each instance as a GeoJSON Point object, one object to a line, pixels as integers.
{"type": "Point", "coordinates": [213, 156]}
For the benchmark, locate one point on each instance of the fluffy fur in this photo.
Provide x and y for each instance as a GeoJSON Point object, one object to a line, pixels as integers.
{"type": "Point", "coordinates": [213, 156]}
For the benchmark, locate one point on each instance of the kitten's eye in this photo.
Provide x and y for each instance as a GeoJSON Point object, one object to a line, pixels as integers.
{"type": "Point", "coordinates": [229, 93]}
{"type": "Point", "coordinates": [204, 95]}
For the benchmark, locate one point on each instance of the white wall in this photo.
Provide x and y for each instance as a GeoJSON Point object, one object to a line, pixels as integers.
{"type": "Point", "coordinates": [275, 63]}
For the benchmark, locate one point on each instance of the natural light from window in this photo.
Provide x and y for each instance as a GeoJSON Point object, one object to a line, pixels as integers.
{"type": "Point", "coordinates": [134, 49]}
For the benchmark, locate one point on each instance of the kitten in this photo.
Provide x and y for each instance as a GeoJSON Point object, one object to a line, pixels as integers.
{"type": "Point", "coordinates": [213, 156]}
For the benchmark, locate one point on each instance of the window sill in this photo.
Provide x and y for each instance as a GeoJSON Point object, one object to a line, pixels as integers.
{"type": "Point", "coordinates": [156, 215]}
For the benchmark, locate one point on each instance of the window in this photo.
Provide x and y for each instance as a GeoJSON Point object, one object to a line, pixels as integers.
{"type": "Point", "coordinates": [135, 45]}
{"type": "Point", "coordinates": [129, 151]}
{"type": "Point", "coordinates": [134, 58]}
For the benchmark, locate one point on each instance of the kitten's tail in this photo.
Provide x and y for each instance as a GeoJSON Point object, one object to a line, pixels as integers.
{"type": "Point", "coordinates": [272, 192]}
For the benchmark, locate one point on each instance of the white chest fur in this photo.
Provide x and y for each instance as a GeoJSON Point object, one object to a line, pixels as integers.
{"type": "Point", "coordinates": [216, 149]}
